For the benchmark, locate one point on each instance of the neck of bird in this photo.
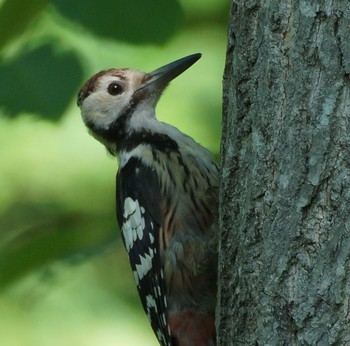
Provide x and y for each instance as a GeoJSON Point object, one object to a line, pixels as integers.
{"type": "Point", "coordinates": [133, 129]}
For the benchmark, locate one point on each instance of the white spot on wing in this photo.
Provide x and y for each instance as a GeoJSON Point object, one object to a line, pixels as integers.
{"type": "Point", "coordinates": [127, 235]}
{"type": "Point", "coordinates": [151, 304]}
{"type": "Point", "coordinates": [151, 238]}
{"type": "Point", "coordinates": [160, 336]}
{"type": "Point", "coordinates": [140, 231]}
{"type": "Point", "coordinates": [136, 277]}
{"type": "Point", "coordinates": [143, 224]}
{"type": "Point", "coordinates": [135, 218]}
{"type": "Point", "coordinates": [129, 207]}
{"type": "Point", "coordinates": [145, 264]}
{"type": "Point", "coordinates": [134, 224]}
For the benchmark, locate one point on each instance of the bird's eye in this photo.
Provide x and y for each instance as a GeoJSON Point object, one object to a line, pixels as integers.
{"type": "Point", "coordinates": [115, 89]}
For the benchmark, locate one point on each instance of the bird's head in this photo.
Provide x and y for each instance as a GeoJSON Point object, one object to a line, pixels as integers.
{"type": "Point", "coordinates": [111, 97]}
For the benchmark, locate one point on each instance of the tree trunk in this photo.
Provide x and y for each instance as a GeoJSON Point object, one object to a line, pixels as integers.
{"type": "Point", "coordinates": [284, 271]}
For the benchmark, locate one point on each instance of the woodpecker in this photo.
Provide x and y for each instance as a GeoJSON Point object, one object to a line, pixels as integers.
{"type": "Point", "coordinates": [167, 196]}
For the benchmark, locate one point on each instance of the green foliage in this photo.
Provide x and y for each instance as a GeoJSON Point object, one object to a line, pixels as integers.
{"type": "Point", "coordinates": [137, 21]}
{"type": "Point", "coordinates": [44, 89]}
{"type": "Point", "coordinates": [62, 264]}
{"type": "Point", "coordinates": [15, 19]}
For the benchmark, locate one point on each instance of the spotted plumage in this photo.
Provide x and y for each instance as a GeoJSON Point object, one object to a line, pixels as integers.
{"type": "Point", "coordinates": [166, 201]}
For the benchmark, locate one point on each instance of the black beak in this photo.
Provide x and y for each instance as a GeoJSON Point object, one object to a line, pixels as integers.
{"type": "Point", "coordinates": [157, 80]}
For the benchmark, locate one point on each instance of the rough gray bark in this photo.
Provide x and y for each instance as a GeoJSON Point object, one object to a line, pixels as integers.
{"type": "Point", "coordinates": [284, 271]}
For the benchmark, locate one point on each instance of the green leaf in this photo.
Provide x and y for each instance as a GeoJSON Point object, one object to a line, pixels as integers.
{"type": "Point", "coordinates": [41, 82]}
{"type": "Point", "coordinates": [137, 21]}
{"type": "Point", "coordinates": [16, 16]}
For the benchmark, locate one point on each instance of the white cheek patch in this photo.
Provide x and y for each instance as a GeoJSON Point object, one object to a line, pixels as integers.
{"type": "Point", "coordinates": [101, 116]}
{"type": "Point", "coordinates": [101, 109]}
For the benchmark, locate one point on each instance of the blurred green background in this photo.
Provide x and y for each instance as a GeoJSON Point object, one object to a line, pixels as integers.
{"type": "Point", "coordinates": [64, 275]}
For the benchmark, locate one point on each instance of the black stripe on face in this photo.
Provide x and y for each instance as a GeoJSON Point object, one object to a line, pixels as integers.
{"type": "Point", "coordinates": [113, 133]}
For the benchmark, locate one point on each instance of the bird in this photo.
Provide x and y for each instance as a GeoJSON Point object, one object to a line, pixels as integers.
{"type": "Point", "coordinates": [166, 200]}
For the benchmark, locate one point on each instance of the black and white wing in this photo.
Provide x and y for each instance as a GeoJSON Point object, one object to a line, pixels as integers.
{"type": "Point", "coordinates": [139, 219]}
